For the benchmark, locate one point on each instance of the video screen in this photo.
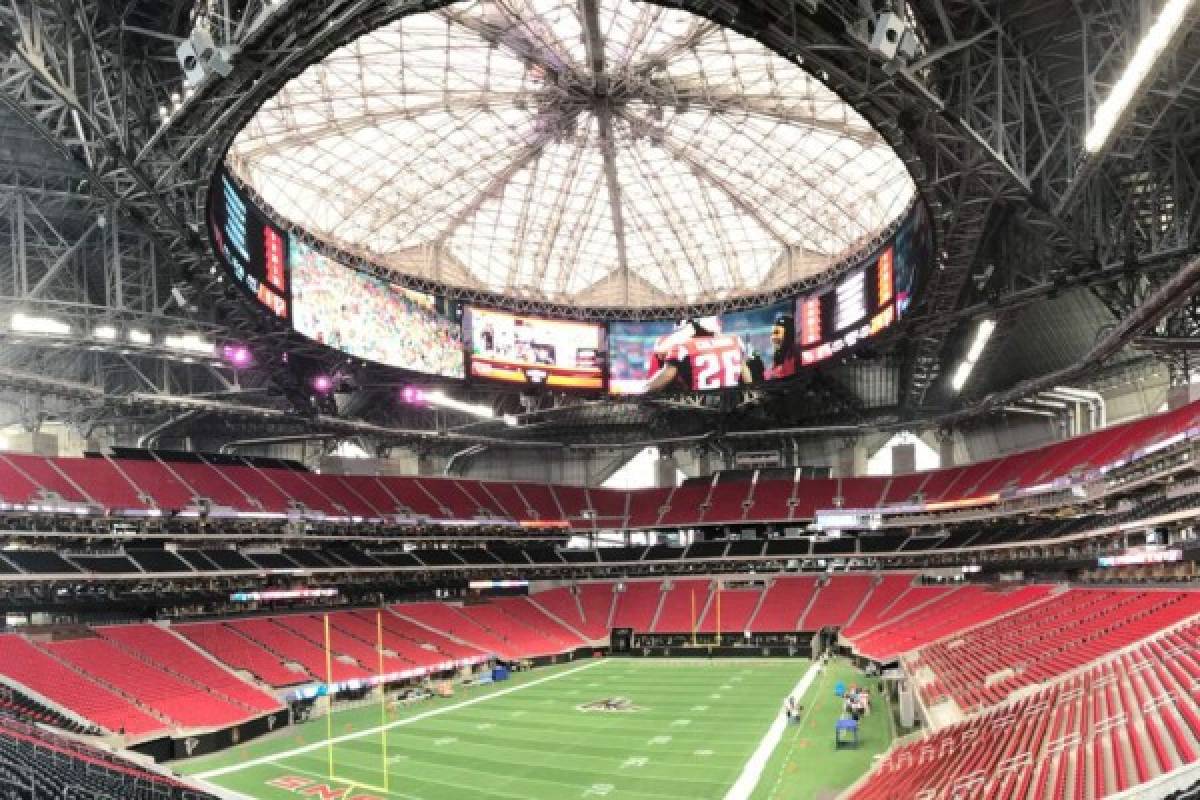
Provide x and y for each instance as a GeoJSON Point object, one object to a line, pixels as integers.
{"type": "Point", "coordinates": [557, 353]}
{"type": "Point", "coordinates": [253, 247]}
{"type": "Point", "coordinates": [373, 319]}
{"type": "Point", "coordinates": [704, 353]}
{"type": "Point", "coordinates": [914, 247]}
{"type": "Point", "coordinates": [858, 305]}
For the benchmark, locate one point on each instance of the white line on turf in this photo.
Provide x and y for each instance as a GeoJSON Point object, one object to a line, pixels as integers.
{"type": "Point", "coordinates": [744, 787]}
{"type": "Point", "coordinates": [308, 748]}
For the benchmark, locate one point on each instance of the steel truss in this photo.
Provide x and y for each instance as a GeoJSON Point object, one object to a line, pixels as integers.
{"type": "Point", "coordinates": [989, 119]}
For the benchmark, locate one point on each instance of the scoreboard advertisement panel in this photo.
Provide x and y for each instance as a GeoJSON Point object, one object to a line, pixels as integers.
{"type": "Point", "coordinates": [858, 305]}
{"type": "Point", "coordinates": [373, 319]}
{"type": "Point", "coordinates": [557, 353]}
{"type": "Point", "coordinates": [253, 247]}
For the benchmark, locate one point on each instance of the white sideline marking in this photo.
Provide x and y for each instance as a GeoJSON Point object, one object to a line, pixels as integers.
{"type": "Point", "coordinates": [308, 748]}
{"type": "Point", "coordinates": [744, 787]}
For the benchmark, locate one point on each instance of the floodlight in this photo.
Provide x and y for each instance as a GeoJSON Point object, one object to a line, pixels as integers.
{"type": "Point", "coordinates": [982, 334]}
{"type": "Point", "coordinates": [189, 342]}
{"type": "Point", "coordinates": [23, 323]}
{"type": "Point", "coordinates": [237, 355]}
{"type": "Point", "coordinates": [1108, 114]}
{"type": "Point", "coordinates": [414, 396]}
{"type": "Point", "coordinates": [441, 400]}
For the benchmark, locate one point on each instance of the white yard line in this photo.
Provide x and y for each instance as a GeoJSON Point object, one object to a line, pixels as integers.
{"type": "Point", "coordinates": [308, 748]}
{"type": "Point", "coordinates": [752, 772]}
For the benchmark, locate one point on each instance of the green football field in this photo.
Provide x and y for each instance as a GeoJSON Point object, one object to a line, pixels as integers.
{"type": "Point", "coordinates": [693, 727]}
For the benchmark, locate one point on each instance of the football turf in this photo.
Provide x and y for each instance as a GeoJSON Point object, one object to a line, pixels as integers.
{"type": "Point", "coordinates": [807, 764]}
{"type": "Point", "coordinates": [693, 725]}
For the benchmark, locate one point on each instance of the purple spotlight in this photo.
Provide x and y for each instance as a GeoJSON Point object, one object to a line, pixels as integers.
{"type": "Point", "coordinates": [322, 384]}
{"type": "Point", "coordinates": [237, 355]}
{"type": "Point", "coordinates": [413, 396]}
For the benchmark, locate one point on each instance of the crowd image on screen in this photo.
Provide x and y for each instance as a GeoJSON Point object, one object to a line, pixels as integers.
{"type": "Point", "coordinates": [372, 319]}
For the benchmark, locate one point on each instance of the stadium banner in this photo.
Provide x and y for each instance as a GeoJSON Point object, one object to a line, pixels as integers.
{"type": "Point", "coordinates": [253, 248]}
{"type": "Point", "coordinates": [719, 352]}
{"type": "Point", "coordinates": [536, 351]}
{"type": "Point", "coordinates": [1151, 554]}
{"type": "Point", "coordinates": [373, 319]}
{"type": "Point", "coordinates": [168, 748]}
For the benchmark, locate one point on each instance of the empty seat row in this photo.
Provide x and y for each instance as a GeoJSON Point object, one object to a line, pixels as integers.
{"type": "Point", "coordinates": [144, 480]}
{"type": "Point", "coordinates": [1121, 723]}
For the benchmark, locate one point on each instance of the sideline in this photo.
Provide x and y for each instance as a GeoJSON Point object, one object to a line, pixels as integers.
{"type": "Point", "coordinates": [308, 748]}
{"type": "Point", "coordinates": [752, 772]}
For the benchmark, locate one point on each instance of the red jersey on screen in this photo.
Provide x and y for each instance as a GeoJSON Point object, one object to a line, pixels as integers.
{"type": "Point", "coordinates": [707, 362]}
{"type": "Point", "coordinates": [785, 370]}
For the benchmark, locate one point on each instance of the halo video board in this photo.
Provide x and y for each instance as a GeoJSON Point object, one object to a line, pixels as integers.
{"type": "Point", "coordinates": [373, 319]}
{"type": "Point", "coordinates": [733, 349]}
{"type": "Point", "coordinates": [860, 304]}
{"type": "Point", "coordinates": [253, 247]}
{"type": "Point", "coordinates": [557, 353]}
{"type": "Point", "coordinates": [377, 320]}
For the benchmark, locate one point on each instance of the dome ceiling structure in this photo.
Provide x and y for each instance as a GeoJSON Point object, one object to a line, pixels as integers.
{"type": "Point", "coordinates": [599, 152]}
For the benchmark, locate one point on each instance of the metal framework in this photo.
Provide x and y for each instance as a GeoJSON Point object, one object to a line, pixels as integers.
{"type": "Point", "coordinates": [596, 152]}
{"type": "Point", "coordinates": [988, 119]}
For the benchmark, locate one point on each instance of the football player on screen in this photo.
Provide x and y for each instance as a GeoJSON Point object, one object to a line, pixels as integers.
{"type": "Point", "coordinates": [698, 357]}
{"type": "Point", "coordinates": [783, 340]}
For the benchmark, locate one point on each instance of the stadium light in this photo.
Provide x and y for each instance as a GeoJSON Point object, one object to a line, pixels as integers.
{"type": "Point", "coordinates": [322, 384]}
{"type": "Point", "coordinates": [22, 323]}
{"type": "Point", "coordinates": [441, 400]}
{"type": "Point", "coordinates": [982, 334]}
{"type": "Point", "coordinates": [237, 355]}
{"type": "Point", "coordinates": [414, 396]}
{"type": "Point", "coordinates": [961, 374]}
{"type": "Point", "coordinates": [140, 337]}
{"type": "Point", "coordinates": [189, 343]}
{"type": "Point", "coordinates": [1148, 52]}
{"type": "Point", "coordinates": [106, 332]}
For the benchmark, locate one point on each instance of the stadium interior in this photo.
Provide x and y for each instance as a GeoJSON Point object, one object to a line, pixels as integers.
{"type": "Point", "coordinates": [729, 399]}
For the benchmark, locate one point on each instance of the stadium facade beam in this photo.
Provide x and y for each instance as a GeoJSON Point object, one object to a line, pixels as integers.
{"type": "Point", "coordinates": [593, 39]}
{"type": "Point", "coordinates": [697, 164]}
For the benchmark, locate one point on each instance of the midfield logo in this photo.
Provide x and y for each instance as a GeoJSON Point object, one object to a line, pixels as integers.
{"type": "Point", "coordinates": [610, 704]}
